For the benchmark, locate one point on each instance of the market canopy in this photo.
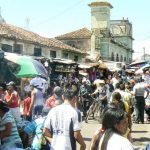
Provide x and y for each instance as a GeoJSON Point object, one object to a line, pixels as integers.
{"type": "Point", "coordinates": [140, 71]}
{"type": "Point", "coordinates": [64, 61]}
{"type": "Point", "coordinates": [87, 65]}
{"type": "Point", "coordinates": [113, 66]}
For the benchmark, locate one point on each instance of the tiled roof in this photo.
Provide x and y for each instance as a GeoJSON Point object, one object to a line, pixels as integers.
{"type": "Point", "coordinates": [81, 33]}
{"type": "Point", "coordinates": [16, 33]}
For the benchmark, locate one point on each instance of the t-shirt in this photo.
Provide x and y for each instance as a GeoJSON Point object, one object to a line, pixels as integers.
{"type": "Point", "coordinates": [38, 97]}
{"type": "Point", "coordinates": [101, 91]}
{"type": "Point", "coordinates": [139, 89]}
{"type": "Point", "coordinates": [117, 142]}
{"type": "Point", "coordinates": [14, 136]}
{"type": "Point", "coordinates": [26, 105]}
{"type": "Point", "coordinates": [50, 102]}
{"type": "Point", "coordinates": [14, 102]}
{"type": "Point", "coordinates": [62, 121]}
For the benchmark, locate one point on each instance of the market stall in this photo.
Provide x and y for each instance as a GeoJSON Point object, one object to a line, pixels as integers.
{"type": "Point", "coordinates": [63, 68]}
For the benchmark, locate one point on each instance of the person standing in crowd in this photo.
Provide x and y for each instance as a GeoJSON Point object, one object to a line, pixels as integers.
{"type": "Point", "coordinates": [114, 126]}
{"type": "Point", "coordinates": [26, 104]}
{"type": "Point", "coordinates": [12, 100]}
{"type": "Point", "coordinates": [84, 92]}
{"type": "Point", "coordinates": [8, 130]}
{"type": "Point", "coordinates": [37, 101]}
{"type": "Point", "coordinates": [146, 77]}
{"type": "Point", "coordinates": [110, 89]}
{"type": "Point", "coordinates": [62, 125]}
{"type": "Point", "coordinates": [115, 79]}
{"type": "Point", "coordinates": [35, 127]}
{"type": "Point", "coordinates": [55, 99]}
{"type": "Point", "coordinates": [139, 91]}
{"type": "Point", "coordinates": [119, 103]}
{"type": "Point", "coordinates": [101, 91]}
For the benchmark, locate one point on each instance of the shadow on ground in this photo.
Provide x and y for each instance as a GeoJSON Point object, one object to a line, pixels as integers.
{"type": "Point", "coordinates": [87, 139]}
{"type": "Point", "coordinates": [139, 131]}
{"type": "Point", "coordinates": [142, 139]}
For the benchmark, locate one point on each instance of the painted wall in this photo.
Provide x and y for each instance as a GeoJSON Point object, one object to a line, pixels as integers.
{"type": "Point", "coordinates": [83, 44]}
{"type": "Point", "coordinates": [28, 49]}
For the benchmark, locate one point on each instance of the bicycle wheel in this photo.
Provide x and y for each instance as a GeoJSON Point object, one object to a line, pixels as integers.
{"type": "Point", "coordinates": [91, 111]}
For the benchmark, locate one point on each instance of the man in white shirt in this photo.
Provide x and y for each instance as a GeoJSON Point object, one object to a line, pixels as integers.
{"type": "Point", "coordinates": [62, 125]}
{"type": "Point", "coordinates": [139, 91]}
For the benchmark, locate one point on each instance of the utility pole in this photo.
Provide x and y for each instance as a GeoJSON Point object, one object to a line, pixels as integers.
{"type": "Point", "coordinates": [144, 52]}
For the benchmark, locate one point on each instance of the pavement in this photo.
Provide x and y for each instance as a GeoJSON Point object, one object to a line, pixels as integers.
{"type": "Point", "coordinates": [140, 133]}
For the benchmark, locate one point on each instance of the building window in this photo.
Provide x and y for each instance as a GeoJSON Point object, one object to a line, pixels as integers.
{"type": "Point", "coordinates": [117, 57]}
{"type": "Point", "coordinates": [37, 51]}
{"type": "Point", "coordinates": [65, 55]}
{"type": "Point", "coordinates": [18, 48]}
{"type": "Point", "coordinates": [53, 54]}
{"type": "Point", "coordinates": [112, 56]}
{"type": "Point", "coordinates": [125, 59]}
{"type": "Point", "coordinates": [121, 58]}
{"type": "Point", "coordinates": [6, 48]}
{"type": "Point", "coordinates": [76, 58]}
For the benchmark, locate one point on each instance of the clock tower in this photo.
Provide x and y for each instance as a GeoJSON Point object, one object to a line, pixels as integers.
{"type": "Point", "coordinates": [100, 21]}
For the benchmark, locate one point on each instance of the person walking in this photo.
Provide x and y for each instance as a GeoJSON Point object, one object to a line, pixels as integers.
{"type": "Point", "coordinates": [139, 91]}
{"type": "Point", "coordinates": [63, 126]}
{"type": "Point", "coordinates": [84, 92]}
{"type": "Point", "coordinates": [114, 126]}
{"type": "Point", "coordinates": [37, 101]}
{"type": "Point", "coordinates": [55, 99]}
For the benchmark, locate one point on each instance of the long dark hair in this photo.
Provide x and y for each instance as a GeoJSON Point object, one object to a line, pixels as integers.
{"type": "Point", "coordinates": [111, 117]}
{"type": "Point", "coordinates": [117, 101]}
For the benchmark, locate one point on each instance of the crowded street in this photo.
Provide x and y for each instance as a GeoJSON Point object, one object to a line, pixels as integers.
{"type": "Point", "coordinates": [74, 75]}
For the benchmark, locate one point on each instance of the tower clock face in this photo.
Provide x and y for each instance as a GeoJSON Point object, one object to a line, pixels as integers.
{"type": "Point", "coordinates": [118, 29]}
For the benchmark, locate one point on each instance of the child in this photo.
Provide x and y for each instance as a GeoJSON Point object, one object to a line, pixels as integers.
{"type": "Point", "coordinates": [26, 105]}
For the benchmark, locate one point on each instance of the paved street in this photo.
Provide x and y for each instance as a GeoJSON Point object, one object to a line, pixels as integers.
{"type": "Point", "coordinates": [140, 134]}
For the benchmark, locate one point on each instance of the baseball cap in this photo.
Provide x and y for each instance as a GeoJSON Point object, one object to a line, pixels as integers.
{"type": "Point", "coordinates": [11, 83]}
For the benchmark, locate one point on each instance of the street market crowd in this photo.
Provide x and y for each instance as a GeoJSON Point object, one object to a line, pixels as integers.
{"type": "Point", "coordinates": [54, 121]}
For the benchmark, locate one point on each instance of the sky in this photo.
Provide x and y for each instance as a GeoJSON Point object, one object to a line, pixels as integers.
{"type": "Point", "coordinates": [51, 18]}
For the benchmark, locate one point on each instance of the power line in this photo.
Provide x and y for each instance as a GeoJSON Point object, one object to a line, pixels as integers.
{"type": "Point", "coordinates": [60, 13]}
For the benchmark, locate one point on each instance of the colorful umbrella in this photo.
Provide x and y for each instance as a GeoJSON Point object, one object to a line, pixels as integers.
{"type": "Point", "coordinates": [28, 67]}
{"type": "Point", "coordinates": [140, 71]}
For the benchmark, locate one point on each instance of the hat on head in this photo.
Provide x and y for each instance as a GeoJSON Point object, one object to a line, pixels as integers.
{"type": "Point", "coordinates": [101, 81]}
{"type": "Point", "coordinates": [4, 107]}
{"type": "Point", "coordinates": [11, 83]}
{"type": "Point", "coordinates": [33, 83]}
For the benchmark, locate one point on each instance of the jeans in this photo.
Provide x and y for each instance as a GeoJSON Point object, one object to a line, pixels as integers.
{"type": "Point", "coordinates": [37, 111]}
{"type": "Point", "coordinates": [139, 108]}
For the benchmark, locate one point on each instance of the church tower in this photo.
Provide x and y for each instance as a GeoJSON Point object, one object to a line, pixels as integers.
{"type": "Point", "coordinates": [1, 18]}
{"type": "Point", "coordinates": [100, 23]}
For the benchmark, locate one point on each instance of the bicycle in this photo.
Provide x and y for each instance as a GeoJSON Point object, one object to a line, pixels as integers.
{"type": "Point", "coordinates": [95, 107]}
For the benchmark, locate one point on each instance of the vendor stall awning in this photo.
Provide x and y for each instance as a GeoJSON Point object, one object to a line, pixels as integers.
{"type": "Point", "coordinates": [64, 61]}
{"type": "Point", "coordinates": [113, 66]}
{"type": "Point", "coordinates": [83, 73]}
{"type": "Point", "coordinates": [84, 66]}
{"type": "Point", "coordinates": [88, 65]}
